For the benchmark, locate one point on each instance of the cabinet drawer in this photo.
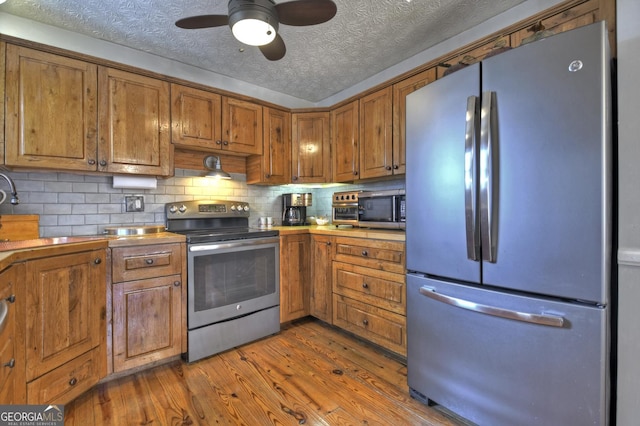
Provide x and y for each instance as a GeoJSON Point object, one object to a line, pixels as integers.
{"type": "Point", "coordinates": [379, 288]}
{"type": "Point", "coordinates": [66, 382]}
{"type": "Point", "coordinates": [135, 263]}
{"type": "Point", "coordinates": [377, 254]}
{"type": "Point", "coordinates": [380, 326]}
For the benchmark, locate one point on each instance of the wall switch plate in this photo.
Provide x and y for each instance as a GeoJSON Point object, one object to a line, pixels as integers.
{"type": "Point", "coordinates": [134, 203]}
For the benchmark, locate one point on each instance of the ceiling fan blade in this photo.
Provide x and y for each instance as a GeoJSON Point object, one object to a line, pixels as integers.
{"type": "Point", "coordinates": [274, 50]}
{"type": "Point", "coordinates": [202, 21]}
{"type": "Point", "coordinates": [305, 12]}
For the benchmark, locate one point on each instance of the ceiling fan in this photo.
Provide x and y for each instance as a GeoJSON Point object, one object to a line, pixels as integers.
{"type": "Point", "coordinates": [255, 22]}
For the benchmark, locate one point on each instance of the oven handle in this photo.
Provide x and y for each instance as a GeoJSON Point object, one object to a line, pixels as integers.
{"type": "Point", "coordinates": [235, 243]}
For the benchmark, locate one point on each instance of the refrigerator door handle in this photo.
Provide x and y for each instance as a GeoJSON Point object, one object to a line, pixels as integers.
{"type": "Point", "coordinates": [487, 176]}
{"type": "Point", "coordinates": [471, 216]}
{"type": "Point", "coordinates": [540, 319]}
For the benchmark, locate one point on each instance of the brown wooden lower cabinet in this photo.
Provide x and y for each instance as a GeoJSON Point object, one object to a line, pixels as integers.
{"type": "Point", "coordinates": [12, 365]}
{"type": "Point", "coordinates": [147, 294]}
{"type": "Point", "coordinates": [380, 326]}
{"type": "Point", "coordinates": [369, 291]}
{"type": "Point", "coordinates": [64, 305]}
{"type": "Point", "coordinates": [321, 305]}
{"type": "Point", "coordinates": [294, 276]}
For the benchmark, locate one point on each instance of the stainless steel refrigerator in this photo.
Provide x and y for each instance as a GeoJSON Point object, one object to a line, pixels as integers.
{"type": "Point", "coordinates": [509, 227]}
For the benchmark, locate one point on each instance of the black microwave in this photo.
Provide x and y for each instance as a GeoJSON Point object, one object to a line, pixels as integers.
{"type": "Point", "coordinates": [382, 209]}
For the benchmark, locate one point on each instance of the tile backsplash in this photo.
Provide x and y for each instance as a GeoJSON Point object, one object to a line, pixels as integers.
{"type": "Point", "coordinates": [75, 204]}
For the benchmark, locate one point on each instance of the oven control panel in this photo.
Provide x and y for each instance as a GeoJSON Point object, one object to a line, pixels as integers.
{"type": "Point", "coordinates": [206, 208]}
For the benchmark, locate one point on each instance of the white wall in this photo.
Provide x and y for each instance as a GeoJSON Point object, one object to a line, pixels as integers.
{"type": "Point", "coordinates": [628, 38]}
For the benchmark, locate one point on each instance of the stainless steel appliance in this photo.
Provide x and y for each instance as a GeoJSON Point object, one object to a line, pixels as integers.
{"type": "Point", "coordinates": [382, 209]}
{"type": "Point", "coordinates": [233, 278]}
{"type": "Point", "coordinates": [509, 241]}
{"type": "Point", "coordinates": [294, 208]}
{"type": "Point", "coordinates": [344, 208]}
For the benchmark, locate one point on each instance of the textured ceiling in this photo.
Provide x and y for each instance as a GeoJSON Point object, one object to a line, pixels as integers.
{"type": "Point", "coordinates": [364, 38]}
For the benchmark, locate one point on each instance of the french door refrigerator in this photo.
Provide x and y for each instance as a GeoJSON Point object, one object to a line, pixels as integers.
{"type": "Point", "coordinates": [508, 197]}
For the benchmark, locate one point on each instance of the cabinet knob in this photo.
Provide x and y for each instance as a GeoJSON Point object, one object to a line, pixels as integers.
{"type": "Point", "coordinates": [10, 364]}
{"type": "Point", "coordinates": [365, 321]}
{"type": "Point", "coordinates": [148, 261]}
{"type": "Point", "coordinates": [267, 175]}
{"type": "Point", "coordinates": [365, 253]}
{"type": "Point", "coordinates": [97, 261]}
{"type": "Point", "coordinates": [365, 285]}
{"type": "Point", "coordinates": [11, 298]}
{"type": "Point", "coordinates": [395, 167]}
{"type": "Point", "coordinates": [218, 142]}
{"type": "Point", "coordinates": [225, 143]}
{"type": "Point", "coordinates": [176, 283]}
{"type": "Point", "coordinates": [355, 173]}
{"type": "Point", "coordinates": [73, 381]}
{"type": "Point", "coordinates": [294, 178]}
{"type": "Point", "coordinates": [388, 167]}
{"type": "Point", "coordinates": [103, 163]}
{"type": "Point", "coordinates": [328, 243]}
{"type": "Point", "coordinates": [92, 162]}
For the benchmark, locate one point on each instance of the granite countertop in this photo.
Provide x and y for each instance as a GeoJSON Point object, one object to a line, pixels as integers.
{"type": "Point", "coordinates": [379, 234]}
{"type": "Point", "coordinates": [16, 251]}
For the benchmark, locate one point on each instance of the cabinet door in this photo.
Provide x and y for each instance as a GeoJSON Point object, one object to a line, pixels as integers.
{"type": "Point", "coordinates": [134, 124]}
{"type": "Point", "coordinates": [147, 323]}
{"type": "Point", "coordinates": [196, 118]}
{"type": "Point", "coordinates": [274, 165]}
{"type": "Point", "coordinates": [241, 126]}
{"type": "Point", "coordinates": [321, 290]}
{"type": "Point", "coordinates": [294, 277]}
{"type": "Point", "coordinates": [51, 111]}
{"type": "Point", "coordinates": [66, 299]}
{"type": "Point", "coordinates": [345, 140]}
{"type": "Point", "coordinates": [376, 149]}
{"type": "Point", "coordinates": [12, 362]}
{"type": "Point", "coordinates": [400, 92]}
{"type": "Point", "coordinates": [310, 147]}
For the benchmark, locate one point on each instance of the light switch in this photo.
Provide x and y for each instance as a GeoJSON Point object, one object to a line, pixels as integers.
{"type": "Point", "coordinates": [134, 203]}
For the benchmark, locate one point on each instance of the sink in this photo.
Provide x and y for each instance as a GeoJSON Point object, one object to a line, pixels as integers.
{"type": "Point", "coordinates": [134, 230]}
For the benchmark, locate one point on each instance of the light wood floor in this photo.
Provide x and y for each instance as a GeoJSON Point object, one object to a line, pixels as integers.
{"type": "Point", "coordinates": [308, 374]}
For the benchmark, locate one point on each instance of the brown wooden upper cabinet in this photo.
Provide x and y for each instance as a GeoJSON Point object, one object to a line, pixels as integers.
{"type": "Point", "coordinates": [273, 167]}
{"type": "Point", "coordinates": [310, 147]}
{"type": "Point", "coordinates": [345, 138]}
{"type": "Point", "coordinates": [133, 124]}
{"type": "Point", "coordinates": [376, 138]}
{"type": "Point", "coordinates": [67, 114]}
{"type": "Point", "coordinates": [206, 121]}
{"type": "Point", "coordinates": [400, 92]}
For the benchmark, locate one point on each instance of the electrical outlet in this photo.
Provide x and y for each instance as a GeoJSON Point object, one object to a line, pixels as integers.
{"type": "Point", "coordinates": [134, 203]}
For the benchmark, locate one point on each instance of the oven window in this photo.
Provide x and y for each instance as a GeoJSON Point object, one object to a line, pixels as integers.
{"type": "Point", "coordinates": [233, 277]}
{"type": "Point", "coordinates": [345, 213]}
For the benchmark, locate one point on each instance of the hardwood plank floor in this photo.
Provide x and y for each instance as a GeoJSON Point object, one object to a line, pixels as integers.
{"type": "Point", "coordinates": [309, 373]}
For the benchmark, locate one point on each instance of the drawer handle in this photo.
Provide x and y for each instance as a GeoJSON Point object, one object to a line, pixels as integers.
{"type": "Point", "coordinates": [97, 261]}
{"type": "Point", "coordinates": [176, 283]}
{"type": "Point", "coordinates": [73, 381]}
{"type": "Point", "coordinates": [365, 285]}
{"type": "Point", "coordinates": [10, 364]}
{"type": "Point", "coordinates": [365, 322]}
{"type": "Point", "coordinates": [148, 261]}
{"type": "Point", "coordinates": [365, 253]}
{"type": "Point", "coordinates": [328, 243]}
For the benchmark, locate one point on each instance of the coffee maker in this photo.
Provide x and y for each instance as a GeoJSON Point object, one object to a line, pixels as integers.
{"type": "Point", "coordinates": [294, 208]}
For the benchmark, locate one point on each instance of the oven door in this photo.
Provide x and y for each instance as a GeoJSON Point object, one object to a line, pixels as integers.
{"type": "Point", "coordinates": [231, 279]}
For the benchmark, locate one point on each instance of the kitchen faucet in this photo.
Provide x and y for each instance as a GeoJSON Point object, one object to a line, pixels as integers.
{"type": "Point", "coordinates": [14, 194]}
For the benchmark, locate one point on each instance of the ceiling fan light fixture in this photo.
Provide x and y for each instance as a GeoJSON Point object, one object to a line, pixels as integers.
{"type": "Point", "coordinates": [253, 32]}
{"type": "Point", "coordinates": [254, 23]}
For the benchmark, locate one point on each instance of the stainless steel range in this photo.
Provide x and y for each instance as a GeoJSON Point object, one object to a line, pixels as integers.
{"type": "Point", "coordinates": [233, 280]}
